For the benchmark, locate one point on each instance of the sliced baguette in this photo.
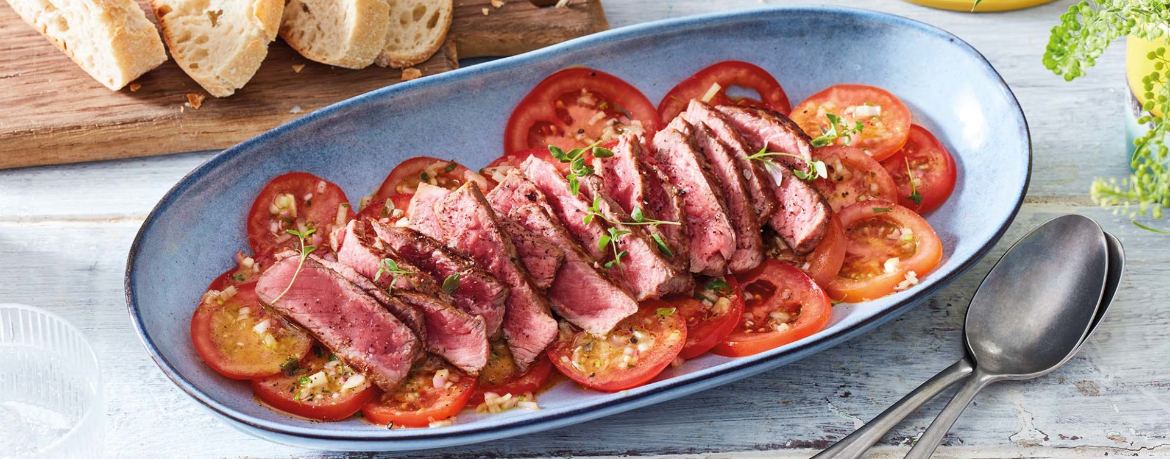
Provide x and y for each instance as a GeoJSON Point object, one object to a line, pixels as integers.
{"type": "Point", "coordinates": [344, 33]}
{"type": "Point", "coordinates": [110, 39]}
{"type": "Point", "coordinates": [417, 30]}
{"type": "Point", "coordinates": [219, 43]}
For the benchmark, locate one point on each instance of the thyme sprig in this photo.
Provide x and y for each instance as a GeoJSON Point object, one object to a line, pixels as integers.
{"type": "Point", "coordinates": [914, 195]}
{"type": "Point", "coordinates": [812, 169]}
{"type": "Point", "coordinates": [390, 267]}
{"type": "Point", "coordinates": [638, 218]}
{"type": "Point", "coordinates": [305, 251]}
{"type": "Point", "coordinates": [451, 284]}
{"type": "Point", "coordinates": [837, 130]}
{"type": "Point", "coordinates": [576, 160]}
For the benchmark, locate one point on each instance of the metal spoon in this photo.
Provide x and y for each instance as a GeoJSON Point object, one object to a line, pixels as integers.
{"type": "Point", "coordinates": [1031, 312]}
{"type": "Point", "coordinates": [856, 444]}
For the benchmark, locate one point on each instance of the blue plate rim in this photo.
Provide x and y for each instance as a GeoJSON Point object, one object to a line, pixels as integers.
{"type": "Point", "coordinates": [662, 388]}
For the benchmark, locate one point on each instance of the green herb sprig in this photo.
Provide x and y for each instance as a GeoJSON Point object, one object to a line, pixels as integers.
{"type": "Point", "coordinates": [914, 195]}
{"type": "Point", "coordinates": [837, 130]}
{"type": "Point", "coordinates": [812, 169]}
{"type": "Point", "coordinates": [391, 268]}
{"type": "Point", "coordinates": [638, 218]}
{"type": "Point", "coordinates": [305, 251]}
{"type": "Point", "coordinates": [576, 160]}
{"type": "Point", "coordinates": [451, 284]}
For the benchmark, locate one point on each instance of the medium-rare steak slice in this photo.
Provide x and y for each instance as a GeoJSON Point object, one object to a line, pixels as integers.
{"type": "Point", "coordinates": [631, 181]}
{"type": "Point", "coordinates": [345, 319]}
{"type": "Point", "coordinates": [757, 180]}
{"type": "Point", "coordinates": [540, 257]}
{"type": "Point", "coordinates": [421, 213]}
{"type": "Point", "coordinates": [474, 229]}
{"type": "Point", "coordinates": [749, 248]}
{"type": "Point", "coordinates": [802, 215]}
{"type": "Point", "coordinates": [647, 272]}
{"type": "Point", "coordinates": [478, 293]}
{"type": "Point", "coordinates": [448, 332]}
{"type": "Point", "coordinates": [581, 293]}
{"type": "Point", "coordinates": [704, 208]}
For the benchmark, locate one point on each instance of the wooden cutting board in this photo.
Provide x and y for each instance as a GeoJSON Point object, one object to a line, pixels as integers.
{"type": "Point", "coordinates": [51, 112]}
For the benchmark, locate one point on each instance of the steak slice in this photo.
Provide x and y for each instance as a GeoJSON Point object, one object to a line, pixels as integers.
{"type": "Point", "coordinates": [757, 180]}
{"type": "Point", "coordinates": [582, 293]}
{"type": "Point", "coordinates": [749, 248]}
{"type": "Point", "coordinates": [704, 207]}
{"type": "Point", "coordinates": [474, 229]}
{"type": "Point", "coordinates": [540, 257]}
{"type": "Point", "coordinates": [421, 212]}
{"type": "Point", "coordinates": [802, 215]}
{"type": "Point", "coordinates": [448, 332]}
{"type": "Point", "coordinates": [630, 180]}
{"type": "Point", "coordinates": [478, 293]}
{"type": "Point", "coordinates": [345, 319]}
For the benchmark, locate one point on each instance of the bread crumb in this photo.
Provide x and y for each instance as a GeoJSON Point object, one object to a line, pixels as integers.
{"type": "Point", "coordinates": [410, 73]}
{"type": "Point", "coordinates": [295, 109]}
{"type": "Point", "coordinates": [195, 100]}
{"type": "Point", "coordinates": [562, 3]}
{"type": "Point", "coordinates": [485, 11]}
{"type": "Point", "coordinates": [497, 3]}
{"type": "Point", "coordinates": [134, 87]}
{"type": "Point", "coordinates": [298, 67]}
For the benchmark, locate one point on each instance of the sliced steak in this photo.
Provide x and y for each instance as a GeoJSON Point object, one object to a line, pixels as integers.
{"type": "Point", "coordinates": [570, 209]}
{"type": "Point", "coordinates": [478, 293]}
{"type": "Point", "coordinates": [630, 180]}
{"type": "Point", "coordinates": [582, 293]}
{"type": "Point", "coordinates": [448, 332]}
{"type": "Point", "coordinates": [421, 212]}
{"type": "Point", "coordinates": [540, 257]}
{"type": "Point", "coordinates": [802, 215]}
{"type": "Point", "coordinates": [704, 207]}
{"type": "Point", "coordinates": [749, 248]}
{"type": "Point", "coordinates": [757, 180]}
{"type": "Point", "coordinates": [474, 229]}
{"type": "Point", "coordinates": [345, 319]}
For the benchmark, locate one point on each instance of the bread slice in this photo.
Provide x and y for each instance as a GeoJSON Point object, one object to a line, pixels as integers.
{"type": "Point", "coordinates": [417, 30]}
{"type": "Point", "coordinates": [344, 33]}
{"type": "Point", "coordinates": [110, 39]}
{"type": "Point", "coordinates": [219, 43]}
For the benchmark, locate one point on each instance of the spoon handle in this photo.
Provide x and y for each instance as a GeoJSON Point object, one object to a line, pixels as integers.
{"type": "Point", "coordinates": [930, 439]}
{"type": "Point", "coordinates": [855, 445]}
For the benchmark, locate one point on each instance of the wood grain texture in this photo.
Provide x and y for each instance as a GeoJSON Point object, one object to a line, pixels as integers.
{"type": "Point", "coordinates": [51, 112]}
{"type": "Point", "coordinates": [65, 232]}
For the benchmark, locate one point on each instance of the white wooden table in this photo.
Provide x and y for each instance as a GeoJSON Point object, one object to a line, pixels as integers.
{"type": "Point", "coordinates": [65, 232]}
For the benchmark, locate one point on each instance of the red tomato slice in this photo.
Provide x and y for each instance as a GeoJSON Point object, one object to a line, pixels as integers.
{"type": "Point", "coordinates": [853, 177]}
{"type": "Point", "coordinates": [726, 74]}
{"type": "Point", "coordinates": [783, 306]}
{"type": "Point", "coordinates": [653, 336]}
{"type": "Point", "coordinates": [499, 376]}
{"type": "Point", "coordinates": [933, 168]}
{"type": "Point", "coordinates": [388, 209]}
{"type": "Point", "coordinates": [320, 387]}
{"type": "Point", "coordinates": [297, 201]}
{"type": "Point", "coordinates": [246, 271]}
{"type": "Point", "coordinates": [433, 392]}
{"type": "Point", "coordinates": [885, 119]}
{"type": "Point", "coordinates": [448, 174]}
{"type": "Point", "coordinates": [824, 261]}
{"type": "Point", "coordinates": [501, 165]}
{"type": "Point", "coordinates": [238, 338]}
{"type": "Point", "coordinates": [711, 314]}
{"type": "Point", "coordinates": [888, 248]}
{"type": "Point", "coordinates": [574, 108]}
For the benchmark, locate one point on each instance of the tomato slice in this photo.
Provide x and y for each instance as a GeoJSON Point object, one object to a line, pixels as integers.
{"type": "Point", "coordinates": [885, 120]}
{"type": "Point", "coordinates": [711, 314]}
{"type": "Point", "coordinates": [297, 201]}
{"type": "Point", "coordinates": [433, 392]}
{"type": "Point", "coordinates": [824, 261]}
{"type": "Point", "coordinates": [783, 305]}
{"type": "Point", "coordinates": [933, 169]}
{"type": "Point", "coordinates": [853, 176]}
{"type": "Point", "coordinates": [404, 179]}
{"type": "Point", "coordinates": [246, 271]}
{"type": "Point", "coordinates": [239, 339]}
{"type": "Point", "coordinates": [887, 248]}
{"type": "Point", "coordinates": [498, 168]}
{"type": "Point", "coordinates": [574, 108]}
{"type": "Point", "coordinates": [634, 352]}
{"type": "Point", "coordinates": [320, 387]}
{"type": "Point", "coordinates": [500, 377]}
{"type": "Point", "coordinates": [388, 209]}
{"type": "Point", "coordinates": [726, 74]}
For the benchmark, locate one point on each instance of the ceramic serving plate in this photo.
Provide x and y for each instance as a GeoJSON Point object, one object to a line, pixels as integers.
{"type": "Point", "coordinates": [192, 234]}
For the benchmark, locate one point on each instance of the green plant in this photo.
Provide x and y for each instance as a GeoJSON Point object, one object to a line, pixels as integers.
{"type": "Point", "coordinates": [1084, 33]}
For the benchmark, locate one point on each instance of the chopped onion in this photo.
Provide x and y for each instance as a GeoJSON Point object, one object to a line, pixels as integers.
{"type": "Point", "coordinates": [353, 381]}
{"type": "Point", "coordinates": [262, 327]}
{"type": "Point", "coordinates": [866, 111]}
{"type": "Point", "coordinates": [317, 379]}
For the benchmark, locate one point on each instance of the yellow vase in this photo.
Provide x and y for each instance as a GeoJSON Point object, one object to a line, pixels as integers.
{"type": "Point", "coordinates": [986, 6]}
{"type": "Point", "coordinates": [1137, 66]}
